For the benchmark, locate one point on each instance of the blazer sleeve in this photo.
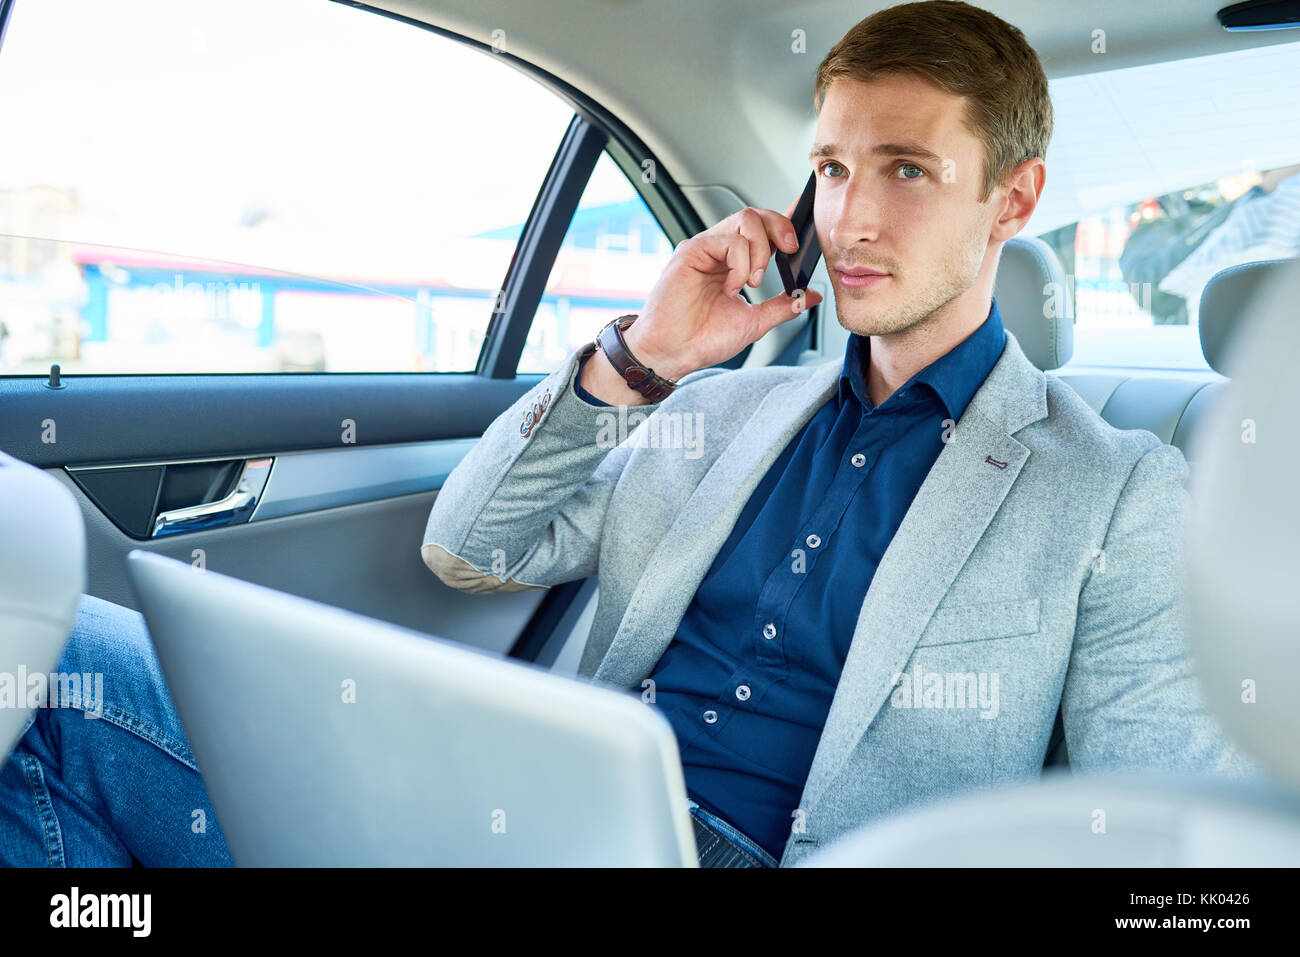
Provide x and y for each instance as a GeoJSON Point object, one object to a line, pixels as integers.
{"type": "Point", "coordinates": [524, 509]}
{"type": "Point", "coordinates": [1131, 700]}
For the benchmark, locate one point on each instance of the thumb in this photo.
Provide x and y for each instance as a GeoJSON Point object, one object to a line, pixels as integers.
{"type": "Point", "coordinates": [781, 308]}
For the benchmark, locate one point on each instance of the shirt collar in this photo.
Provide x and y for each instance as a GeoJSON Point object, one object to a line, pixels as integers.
{"type": "Point", "coordinates": [955, 376]}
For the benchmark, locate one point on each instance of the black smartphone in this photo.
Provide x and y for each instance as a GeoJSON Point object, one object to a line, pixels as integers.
{"type": "Point", "coordinates": [796, 269]}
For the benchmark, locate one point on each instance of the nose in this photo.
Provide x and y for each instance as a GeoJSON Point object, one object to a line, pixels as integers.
{"type": "Point", "coordinates": [850, 215]}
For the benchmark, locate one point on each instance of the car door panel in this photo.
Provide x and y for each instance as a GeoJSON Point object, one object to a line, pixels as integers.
{"type": "Point", "coordinates": [339, 522]}
{"type": "Point", "coordinates": [363, 557]}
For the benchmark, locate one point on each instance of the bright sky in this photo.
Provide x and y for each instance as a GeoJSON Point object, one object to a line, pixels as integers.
{"type": "Point", "coordinates": [189, 113]}
{"type": "Point", "coordinates": [185, 115]}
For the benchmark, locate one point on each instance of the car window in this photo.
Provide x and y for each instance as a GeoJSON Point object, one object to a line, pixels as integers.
{"type": "Point", "coordinates": [610, 259]}
{"type": "Point", "coordinates": [1159, 177]}
{"type": "Point", "coordinates": [252, 186]}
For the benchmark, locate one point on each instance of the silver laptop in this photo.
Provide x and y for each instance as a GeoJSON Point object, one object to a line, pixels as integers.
{"type": "Point", "coordinates": [326, 738]}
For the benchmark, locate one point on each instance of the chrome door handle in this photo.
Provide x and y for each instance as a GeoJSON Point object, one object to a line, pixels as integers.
{"type": "Point", "coordinates": [234, 509]}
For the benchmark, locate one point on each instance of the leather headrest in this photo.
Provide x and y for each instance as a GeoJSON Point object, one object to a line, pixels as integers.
{"type": "Point", "coordinates": [1032, 296]}
{"type": "Point", "coordinates": [1222, 302]}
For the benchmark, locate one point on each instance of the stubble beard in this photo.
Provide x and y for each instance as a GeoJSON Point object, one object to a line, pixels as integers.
{"type": "Point", "coordinates": [856, 312]}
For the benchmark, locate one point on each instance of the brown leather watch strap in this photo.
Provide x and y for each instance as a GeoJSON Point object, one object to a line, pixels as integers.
{"type": "Point", "coordinates": [637, 376]}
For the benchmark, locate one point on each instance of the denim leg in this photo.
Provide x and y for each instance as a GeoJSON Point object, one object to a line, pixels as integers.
{"type": "Point", "coordinates": [104, 771]}
{"type": "Point", "coordinates": [721, 844]}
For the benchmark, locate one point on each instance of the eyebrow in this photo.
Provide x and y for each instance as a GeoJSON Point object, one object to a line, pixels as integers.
{"type": "Point", "coordinates": [884, 149]}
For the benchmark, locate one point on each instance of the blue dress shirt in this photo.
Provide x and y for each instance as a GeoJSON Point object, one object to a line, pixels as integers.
{"type": "Point", "coordinates": [748, 679]}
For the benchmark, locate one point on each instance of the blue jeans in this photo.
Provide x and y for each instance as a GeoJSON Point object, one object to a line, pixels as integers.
{"type": "Point", "coordinates": [103, 775]}
{"type": "Point", "coordinates": [721, 844]}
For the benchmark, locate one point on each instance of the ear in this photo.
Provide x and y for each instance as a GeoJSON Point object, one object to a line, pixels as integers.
{"type": "Point", "coordinates": [1023, 190]}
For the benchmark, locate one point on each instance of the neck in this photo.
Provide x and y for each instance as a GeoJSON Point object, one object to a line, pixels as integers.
{"type": "Point", "coordinates": [897, 356]}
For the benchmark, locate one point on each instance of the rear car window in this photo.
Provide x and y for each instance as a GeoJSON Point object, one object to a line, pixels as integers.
{"type": "Point", "coordinates": [239, 186]}
{"type": "Point", "coordinates": [1159, 177]}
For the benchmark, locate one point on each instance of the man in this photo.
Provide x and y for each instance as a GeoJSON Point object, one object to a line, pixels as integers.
{"type": "Point", "coordinates": [787, 590]}
{"type": "Point", "coordinates": [870, 585]}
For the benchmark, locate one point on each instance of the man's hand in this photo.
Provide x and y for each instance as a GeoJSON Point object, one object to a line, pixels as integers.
{"type": "Point", "coordinates": [696, 315]}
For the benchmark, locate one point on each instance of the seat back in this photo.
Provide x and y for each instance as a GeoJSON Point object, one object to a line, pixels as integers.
{"type": "Point", "coordinates": [42, 576]}
{"type": "Point", "coordinates": [1173, 408]}
{"type": "Point", "coordinates": [1243, 556]}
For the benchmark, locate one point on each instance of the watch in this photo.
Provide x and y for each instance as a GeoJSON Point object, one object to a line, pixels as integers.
{"type": "Point", "coordinates": [642, 379]}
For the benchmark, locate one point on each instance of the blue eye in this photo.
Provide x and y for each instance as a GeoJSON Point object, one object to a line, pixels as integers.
{"type": "Point", "coordinates": [824, 165]}
{"type": "Point", "coordinates": [911, 166]}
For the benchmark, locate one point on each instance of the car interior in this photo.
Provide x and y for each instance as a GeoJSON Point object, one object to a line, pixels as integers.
{"type": "Point", "coordinates": [258, 340]}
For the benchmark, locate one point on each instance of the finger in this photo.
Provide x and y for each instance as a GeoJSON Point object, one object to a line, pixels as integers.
{"type": "Point", "coordinates": [802, 304]}
{"type": "Point", "coordinates": [752, 227]}
{"type": "Point", "coordinates": [779, 229]}
{"type": "Point", "coordinates": [728, 245]}
{"type": "Point", "coordinates": [715, 251]}
{"type": "Point", "coordinates": [738, 263]}
{"type": "Point", "coordinates": [754, 231]}
{"type": "Point", "coordinates": [783, 230]}
{"type": "Point", "coordinates": [782, 308]}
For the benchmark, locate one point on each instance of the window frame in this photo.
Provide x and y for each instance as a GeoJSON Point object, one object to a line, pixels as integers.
{"type": "Point", "coordinates": [593, 129]}
{"type": "Point", "coordinates": [6, 7]}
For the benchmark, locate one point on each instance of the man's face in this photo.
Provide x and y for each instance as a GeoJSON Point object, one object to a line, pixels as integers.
{"type": "Point", "coordinates": [884, 204]}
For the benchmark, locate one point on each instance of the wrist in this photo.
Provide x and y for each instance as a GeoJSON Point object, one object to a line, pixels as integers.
{"type": "Point", "coordinates": [662, 361]}
{"type": "Point", "coordinates": [602, 380]}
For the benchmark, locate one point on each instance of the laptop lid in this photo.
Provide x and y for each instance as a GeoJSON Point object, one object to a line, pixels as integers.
{"type": "Point", "coordinates": [327, 738]}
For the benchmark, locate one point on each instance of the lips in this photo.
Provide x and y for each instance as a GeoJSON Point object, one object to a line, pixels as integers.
{"type": "Point", "coordinates": [860, 277]}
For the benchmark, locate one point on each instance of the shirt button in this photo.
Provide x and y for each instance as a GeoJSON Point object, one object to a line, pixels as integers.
{"type": "Point", "coordinates": [769, 631]}
{"type": "Point", "coordinates": [743, 692]}
{"type": "Point", "coordinates": [858, 460]}
{"type": "Point", "coordinates": [710, 716]}
{"type": "Point", "coordinates": [813, 541]}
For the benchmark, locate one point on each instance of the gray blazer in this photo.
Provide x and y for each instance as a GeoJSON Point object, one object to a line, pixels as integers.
{"type": "Point", "coordinates": [1037, 568]}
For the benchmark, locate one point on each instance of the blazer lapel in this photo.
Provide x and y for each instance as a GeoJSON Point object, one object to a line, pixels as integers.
{"type": "Point", "coordinates": [684, 555]}
{"type": "Point", "coordinates": [945, 521]}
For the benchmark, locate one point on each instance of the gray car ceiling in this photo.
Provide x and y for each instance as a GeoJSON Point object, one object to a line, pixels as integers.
{"type": "Point", "coordinates": [714, 89]}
